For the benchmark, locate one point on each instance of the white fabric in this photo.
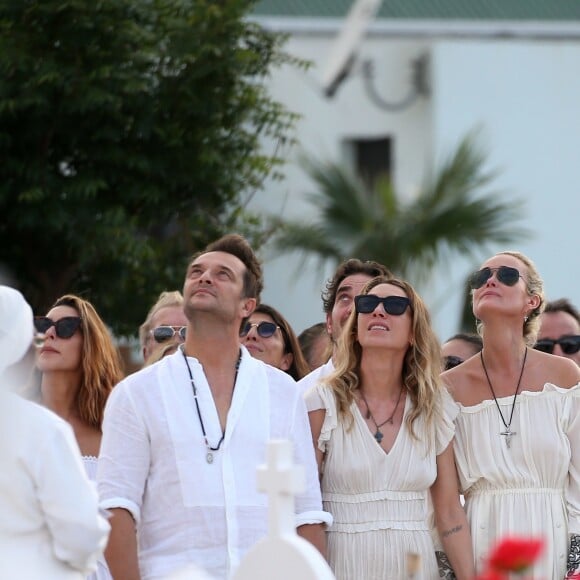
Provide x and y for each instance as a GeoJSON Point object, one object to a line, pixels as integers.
{"type": "Point", "coordinates": [50, 526]}
{"type": "Point", "coordinates": [315, 376]}
{"type": "Point", "coordinates": [16, 330]}
{"type": "Point", "coordinates": [102, 572]}
{"type": "Point", "coordinates": [153, 462]}
{"type": "Point", "coordinates": [532, 488]}
{"type": "Point", "coordinates": [378, 500]}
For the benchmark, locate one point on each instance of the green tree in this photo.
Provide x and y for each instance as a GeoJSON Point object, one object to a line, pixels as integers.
{"type": "Point", "coordinates": [130, 133]}
{"type": "Point", "coordinates": [456, 212]}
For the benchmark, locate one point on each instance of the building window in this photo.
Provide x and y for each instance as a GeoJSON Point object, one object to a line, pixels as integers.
{"type": "Point", "coordinates": [371, 159]}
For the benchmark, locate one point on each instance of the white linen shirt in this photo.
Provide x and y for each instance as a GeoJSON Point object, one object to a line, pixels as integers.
{"type": "Point", "coordinates": [50, 525]}
{"type": "Point", "coordinates": [316, 376]}
{"type": "Point", "coordinates": [153, 462]}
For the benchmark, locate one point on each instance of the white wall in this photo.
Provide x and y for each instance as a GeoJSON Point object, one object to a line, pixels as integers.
{"type": "Point", "coordinates": [325, 123]}
{"type": "Point", "coordinates": [525, 96]}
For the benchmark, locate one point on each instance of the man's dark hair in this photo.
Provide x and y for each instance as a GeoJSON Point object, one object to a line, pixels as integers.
{"type": "Point", "coordinates": [468, 337]}
{"type": "Point", "coordinates": [239, 247]}
{"type": "Point", "coordinates": [563, 305]}
{"type": "Point", "coordinates": [348, 268]}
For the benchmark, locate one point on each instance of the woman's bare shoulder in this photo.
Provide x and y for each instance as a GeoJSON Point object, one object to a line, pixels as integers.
{"type": "Point", "coordinates": [560, 371]}
{"type": "Point", "coordinates": [463, 381]}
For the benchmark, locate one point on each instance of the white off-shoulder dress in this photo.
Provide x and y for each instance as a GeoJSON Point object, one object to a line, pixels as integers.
{"type": "Point", "coordinates": [378, 500]}
{"type": "Point", "coordinates": [102, 572]}
{"type": "Point", "coordinates": [530, 489]}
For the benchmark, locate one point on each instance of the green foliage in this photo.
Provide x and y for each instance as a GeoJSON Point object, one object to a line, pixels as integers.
{"type": "Point", "coordinates": [130, 131]}
{"type": "Point", "coordinates": [456, 212]}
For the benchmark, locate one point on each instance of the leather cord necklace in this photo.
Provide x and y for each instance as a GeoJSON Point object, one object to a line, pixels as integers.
{"type": "Point", "coordinates": [210, 449]}
{"type": "Point", "coordinates": [508, 433]}
{"type": "Point", "coordinates": [377, 434]}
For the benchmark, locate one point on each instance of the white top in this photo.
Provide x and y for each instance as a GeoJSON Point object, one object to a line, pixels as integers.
{"type": "Point", "coordinates": [314, 377]}
{"type": "Point", "coordinates": [533, 488]}
{"type": "Point", "coordinates": [50, 526]}
{"type": "Point", "coordinates": [378, 500]}
{"type": "Point", "coordinates": [153, 462]}
{"type": "Point", "coordinates": [102, 572]}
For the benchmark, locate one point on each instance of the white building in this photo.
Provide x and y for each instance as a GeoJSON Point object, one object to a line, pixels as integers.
{"type": "Point", "coordinates": [510, 68]}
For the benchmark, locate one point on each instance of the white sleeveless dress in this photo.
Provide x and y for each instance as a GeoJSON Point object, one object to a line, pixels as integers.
{"type": "Point", "coordinates": [102, 572]}
{"type": "Point", "coordinates": [378, 500]}
{"type": "Point", "coordinates": [530, 489]}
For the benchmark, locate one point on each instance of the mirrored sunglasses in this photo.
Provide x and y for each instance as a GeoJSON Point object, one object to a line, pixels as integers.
{"type": "Point", "coordinates": [450, 362]}
{"type": "Point", "coordinates": [264, 329]}
{"type": "Point", "coordinates": [394, 305]}
{"type": "Point", "coordinates": [504, 274]}
{"type": "Point", "coordinates": [165, 333]}
{"type": "Point", "coordinates": [570, 344]}
{"type": "Point", "coordinates": [64, 328]}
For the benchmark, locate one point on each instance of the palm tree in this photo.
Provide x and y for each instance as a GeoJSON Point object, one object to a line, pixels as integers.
{"type": "Point", "coordinates": [454, 213]}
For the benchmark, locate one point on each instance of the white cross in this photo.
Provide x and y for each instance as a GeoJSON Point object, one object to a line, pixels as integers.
{"type": "Point", "coordinates": [281, 480]}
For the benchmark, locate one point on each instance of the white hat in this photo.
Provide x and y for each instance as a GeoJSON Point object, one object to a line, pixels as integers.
{"type": "Point", "coordinates": [16, 327]}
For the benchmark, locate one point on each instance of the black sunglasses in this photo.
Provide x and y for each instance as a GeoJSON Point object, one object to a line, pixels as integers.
{"type": "Point", "coordinates": [450, 362]}
{"type": "Point", "coordinates": [165, 333]}
{"type": "Point", "coordinates": [367, 303]}
{"type": "Point", "coordinates": [570, 344]}
{"type": "Point", "coordinates": [264, 329]}
{"type": "Point", "coordinates": [505, 274]}
{"type": "Point", "coordinates": [64, 328]}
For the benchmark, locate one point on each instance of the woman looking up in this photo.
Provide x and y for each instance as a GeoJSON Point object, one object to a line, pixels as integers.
{"type": "Point", "coordinates": [518, 431]}
{"type": "Point", "coordinates": [80, 366]}
{"type": "Point", "coordinates": [383, 432]}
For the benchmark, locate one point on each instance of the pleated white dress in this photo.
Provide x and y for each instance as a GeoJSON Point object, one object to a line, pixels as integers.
{"type": "Point", "coordinates": [378, 500]}
{"type": "Point", "coordinates": [531, 489]}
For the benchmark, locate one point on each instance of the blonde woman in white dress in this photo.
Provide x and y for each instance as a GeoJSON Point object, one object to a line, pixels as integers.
{"type": "Point", "coordinates": [518, 430]}
{"type": "Point", "coordinates": [383, 431]}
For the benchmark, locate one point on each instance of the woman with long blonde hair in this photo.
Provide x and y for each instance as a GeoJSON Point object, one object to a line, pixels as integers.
{"type": "Point", "coordinates": [383, 431]}
{"type": "Point", "coordinates": [518, 429]}
{"type": "Point", "coordinates": [79, 367]}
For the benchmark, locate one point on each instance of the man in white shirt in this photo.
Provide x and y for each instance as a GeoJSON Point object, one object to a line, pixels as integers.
{"type": "Point", "coordinates": [183, 437]}
{"type": "Point", "coordinates": [337, 299]}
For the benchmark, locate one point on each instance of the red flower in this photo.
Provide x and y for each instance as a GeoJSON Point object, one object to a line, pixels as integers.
{"type": "Point", "coordinates": [515, 554]}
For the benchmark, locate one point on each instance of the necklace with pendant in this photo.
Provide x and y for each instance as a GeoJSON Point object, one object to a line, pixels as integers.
{"type": "Point", "coordinates": [210, 449]}
{"type": "Point", "coordinates": [508, 433]}
{"type": "Point", "coordinates": [378, 435]}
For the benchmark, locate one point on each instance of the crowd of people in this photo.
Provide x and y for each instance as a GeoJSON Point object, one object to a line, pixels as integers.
{"type": "Point", "coordinates": [409, 446]}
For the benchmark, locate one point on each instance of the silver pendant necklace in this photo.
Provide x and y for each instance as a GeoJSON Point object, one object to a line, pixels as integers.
{"type": "Point", "coordinates": [210, 449]}
{"type": "Point", "coordinates": [508, 433]}
{"type": "Point", "coordinates": [378, 435]}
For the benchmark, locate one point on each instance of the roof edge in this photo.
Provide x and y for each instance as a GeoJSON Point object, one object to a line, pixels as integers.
{"type": "Point", "coordinates": [412, 28]}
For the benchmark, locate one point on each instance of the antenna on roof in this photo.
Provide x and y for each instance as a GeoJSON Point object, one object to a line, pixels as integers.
{"type": "Point", "coordinates": [343, 53]}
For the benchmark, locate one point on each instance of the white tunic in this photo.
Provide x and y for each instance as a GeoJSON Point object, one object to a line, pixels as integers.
{"type": "Point", "coordinates": [50, 526]}
{"type": "Point", "coordinates": [314, 377]}
{"type": "Point", "coordinates": [531, 489]}
{"type": "Point", "coordinates": [378, 500]}
{"type": "Point", "coordinates": [153, 462]}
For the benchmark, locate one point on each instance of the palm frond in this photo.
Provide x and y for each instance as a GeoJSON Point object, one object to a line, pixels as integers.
{"type": "Point", "coordinates": [456, 213]}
